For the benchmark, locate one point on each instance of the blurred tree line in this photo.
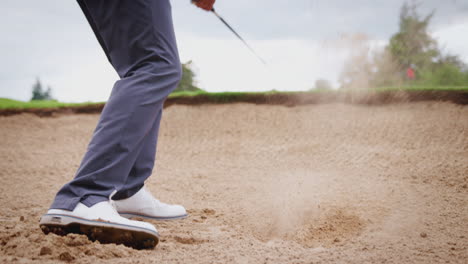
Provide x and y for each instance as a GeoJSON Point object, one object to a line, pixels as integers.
{"type": "Point", "coordinates": [39, 93]}
{"type": "Point", "coordinates": [187, 83]}
{"type": "Point", "coordinates": [412, 57]}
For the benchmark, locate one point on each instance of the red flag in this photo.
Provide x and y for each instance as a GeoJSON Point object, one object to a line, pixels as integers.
{"type": "Point", "coordinates": [410, 73]}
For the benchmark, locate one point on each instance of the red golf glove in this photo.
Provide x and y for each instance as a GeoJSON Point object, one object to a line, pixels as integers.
{"type": "Point", "coordinates": [204, 4]}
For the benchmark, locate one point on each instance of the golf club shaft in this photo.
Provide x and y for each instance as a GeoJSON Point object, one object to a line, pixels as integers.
{"type": "Point", "coordinates": [238, 36]}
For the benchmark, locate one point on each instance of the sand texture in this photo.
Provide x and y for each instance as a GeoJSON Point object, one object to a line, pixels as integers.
{"type": "Point", "coordinates": [328, 183]}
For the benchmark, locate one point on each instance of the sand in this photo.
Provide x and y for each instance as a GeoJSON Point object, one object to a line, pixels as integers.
{"type": "Point", "coordinates": [328, 183]}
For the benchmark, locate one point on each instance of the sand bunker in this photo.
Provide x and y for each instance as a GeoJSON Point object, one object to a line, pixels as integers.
{"type": "Point", "coordinates": [330, 183]}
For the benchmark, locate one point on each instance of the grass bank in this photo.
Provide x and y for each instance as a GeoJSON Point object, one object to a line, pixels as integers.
{"type": "Point", "coordinates": [386, 95]}
{"type": "Point", "coordinates": [6, 103]}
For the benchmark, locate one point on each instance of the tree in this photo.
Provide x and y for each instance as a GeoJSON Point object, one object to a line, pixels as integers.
{"type": "Point", "coordinates": [187, 83]}
{"type": "Point", "coordinates": [447, 70]}
{"type": "Point", "coordinates": [412, 45]}
{"type": "Point", "coordinates": [38, 93]}
{"type": "Point", "coordinates": [48, 93]}
{"type": "Point", "coordinates": [444, 74]}
{"type": "Point", "coordinates": [37, 90]}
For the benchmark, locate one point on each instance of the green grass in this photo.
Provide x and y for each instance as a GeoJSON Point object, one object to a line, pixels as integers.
{"type": "Point", "coordinates": [221, 97]}
{"type": "Point", "coordinates": [14, 104]}
{"type": "Point", "coordinates": [233, 94]}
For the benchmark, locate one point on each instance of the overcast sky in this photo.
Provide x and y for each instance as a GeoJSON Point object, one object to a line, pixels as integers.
{"type": "Point", "coordinates": [301, 40]}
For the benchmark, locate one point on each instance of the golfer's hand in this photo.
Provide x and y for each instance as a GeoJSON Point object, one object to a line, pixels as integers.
{"type": "Point", "coordinates": [204, 4]}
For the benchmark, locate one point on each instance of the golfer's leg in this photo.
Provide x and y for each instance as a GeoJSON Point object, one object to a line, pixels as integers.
{"type": "Point", "coordinates": [132, 200]}
{"type": "Point", "coordinates": [141, 45]}
{"type": "Point", "coordinates": [143, 166]}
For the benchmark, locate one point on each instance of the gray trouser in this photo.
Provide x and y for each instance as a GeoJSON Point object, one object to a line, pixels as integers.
{"type": "Point", "coordinates": [138, 39]}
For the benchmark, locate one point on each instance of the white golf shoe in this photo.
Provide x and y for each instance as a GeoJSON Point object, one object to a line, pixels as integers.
{"type": "Point", "coordinates": [100, 222]}
{"type": "Point", "coordinates": [144, 205]}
